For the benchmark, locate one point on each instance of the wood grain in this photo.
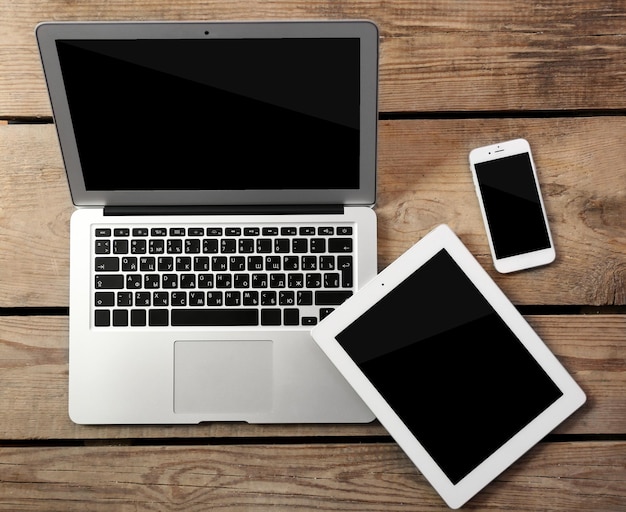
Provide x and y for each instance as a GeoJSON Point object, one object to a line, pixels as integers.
{"type": "Point", "coordinates": [339, 477]}
{"type": "Point", "coordinates": [435, 56]}
{"type": "Point", "coordinates": [34, 372]}
{"type": "Point", "coordinates": [423, 180]}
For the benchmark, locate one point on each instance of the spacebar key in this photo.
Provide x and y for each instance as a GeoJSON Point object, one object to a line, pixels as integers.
{"type": "Point", "coordinates": [217, 317]}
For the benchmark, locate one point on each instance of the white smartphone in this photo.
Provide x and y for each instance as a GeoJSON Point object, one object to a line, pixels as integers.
{"type": "Point", "coordinates": [510, 201]}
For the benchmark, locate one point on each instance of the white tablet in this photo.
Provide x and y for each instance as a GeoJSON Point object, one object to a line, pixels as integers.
{"type": "Point", "coordinates": [448, 365]}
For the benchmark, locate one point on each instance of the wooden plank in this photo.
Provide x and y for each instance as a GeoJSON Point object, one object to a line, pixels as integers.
{"type": "Point", "coordinates": [341, 477]}
{"type": "Point", "coordinates": [33, 395]}
{"type": "Point", "coordinates": [434, 56]}
{"type": "Point", "coordinates": [35, 207]}
{"type": "Point", "coordinates": [423, 180]}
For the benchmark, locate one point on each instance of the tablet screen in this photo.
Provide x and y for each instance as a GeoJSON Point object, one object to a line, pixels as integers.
{"type": "Point", "coordinates": [449, 366]}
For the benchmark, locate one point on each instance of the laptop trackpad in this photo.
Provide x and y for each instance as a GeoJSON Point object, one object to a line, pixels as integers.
{"type": "Point", "coordinates": [229, 376]}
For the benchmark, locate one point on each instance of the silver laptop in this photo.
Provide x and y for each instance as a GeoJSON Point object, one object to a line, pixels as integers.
{"type": "Point", "coordinates": [224, 176]}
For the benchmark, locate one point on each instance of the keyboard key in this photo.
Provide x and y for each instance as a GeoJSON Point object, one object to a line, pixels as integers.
{"type": "Point", "coordinates": [143, 299]}
{"type": "Point", "coordinates": [314, 280]}
{"type": "Point", "coordinates": [215, 317]}
{"type": "Point", "coordinates": [104, 299]}
{"type": "Point", "coordinates": [300, 245]}
{"type": "Point", "coordinates": [147, 264]}
{"type": "Point", "coordinates": [327, 263]}
{"type": "Point", "coordinates": [192, 246]}
{"type": "Point", "coordinates": [158, 317]}
{"type": "Point", "coordinates": [179, 299]}
{"type": "Point", "coordinates": [232, 298]}
{"type": "Point", "coordinates": [124, 299]}
{"type": "Point", "coordinates": [129, 264]}
{"type": "Point", "coordinates": [120, 246]}
{"type": "Point", "coordinates": [103, 246]}
{"type": "Point", "coordinates": [263, 246]}
{"type": "Point", "coordinates": [331, 297]}
{"type": "Point", "coordinates": [138, 317]}
{"type": "Point", "coordinates": [156, 246]}
{"type": "Point", "coordinates": [175, 246]}
{"type": "Point", "coordinates": [214, 298]}
{"type": "Point", "coordinates": [160, 299]}
{"type": "Point", "coordinates": [109, 282]}
{"type": "Point", "coordinates": [344, 265]}
{"type": "Point", "coordinates": [196, 299]}
{"type": "Point", "coordinates": [305, 298]}
{"type": "Point", "coordinates": [286, 298]}
{"type": "Point", "coordinates": [270, 317]}
{"type": "Point", "coordinates": [170, 281]}
{"type": "Point", "coordinates": [246, 246]}
{"type": "Point", "coordinates": [331, 280]}
{"type": "Point", "coordinates": [291, 316]}
{"type": "Point", "coordinates": [339, 245]}
{"type": "Point", "coordinates": [281, 245]}
{"type": "Point", "coordinates": [228, 246]}
{"type": "Point", "coordinates": [268, 298]}
{"type": "Point", "coordinates": [250, 298]}
{"type": "Point", "coordinates": [210, 246]}
{"type": "Point", "coordinates": [102, 318]}
{"type": "Point", "coordinates": [120, 318]}
{"type": "Point", "coordinates": [133, 281]}
{"type": "Point", "coordinates": [106, 264]}
{"type": "Point", "coordinates": [318, 245]}
{"type": "Point", "coordinates": [309, 262]}
{"type": "Point", "coordinates": [138, 247]}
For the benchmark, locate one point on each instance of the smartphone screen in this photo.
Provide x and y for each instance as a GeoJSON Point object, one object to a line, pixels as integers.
{"type": "Point", "coordinates": [512, 205]}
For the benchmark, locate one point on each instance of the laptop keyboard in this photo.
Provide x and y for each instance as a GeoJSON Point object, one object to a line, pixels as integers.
{"type": "Point", "coordinates": [262, 275]}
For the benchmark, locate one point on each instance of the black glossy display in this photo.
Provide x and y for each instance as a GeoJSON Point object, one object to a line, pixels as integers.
{"type": "Point", "coordinates": [512, 205]}
{"type": "Point", "coordinates": [215, 114]}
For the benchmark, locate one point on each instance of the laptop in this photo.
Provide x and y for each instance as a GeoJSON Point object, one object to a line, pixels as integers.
{"type": "Point", "coordinates": [224, 176]}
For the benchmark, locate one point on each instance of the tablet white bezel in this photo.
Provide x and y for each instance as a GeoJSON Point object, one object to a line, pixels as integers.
{"type": "Point", "coordinates": [442, 237]}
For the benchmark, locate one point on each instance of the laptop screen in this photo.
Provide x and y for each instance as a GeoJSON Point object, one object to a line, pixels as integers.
{"type": "Point", "coordinates": [189, 113]}
{"type": "Point", "coordinates": [214, 113]}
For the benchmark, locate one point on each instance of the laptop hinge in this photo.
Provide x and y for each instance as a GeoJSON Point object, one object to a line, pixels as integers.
{"type": "Point", "coordinates": [306, 209]}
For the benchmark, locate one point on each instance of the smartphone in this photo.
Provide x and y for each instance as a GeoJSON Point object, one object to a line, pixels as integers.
{"type": "Point", "coordinates": [512, 208]}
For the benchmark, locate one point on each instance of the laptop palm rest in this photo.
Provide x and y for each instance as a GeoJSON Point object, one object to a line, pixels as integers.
{"type": "Point", "coordinates": [229, 376]}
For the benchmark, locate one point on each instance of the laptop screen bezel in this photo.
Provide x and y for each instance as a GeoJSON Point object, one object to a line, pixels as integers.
{"type": "Point", "coordinates": [48, 33]}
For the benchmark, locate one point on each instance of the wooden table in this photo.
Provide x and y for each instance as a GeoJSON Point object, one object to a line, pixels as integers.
{"type": "Point", "coordinates": [453, 75]}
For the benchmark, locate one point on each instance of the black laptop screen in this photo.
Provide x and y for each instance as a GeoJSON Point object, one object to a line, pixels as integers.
{"type": "Point", "coordinates": [215, 114]}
